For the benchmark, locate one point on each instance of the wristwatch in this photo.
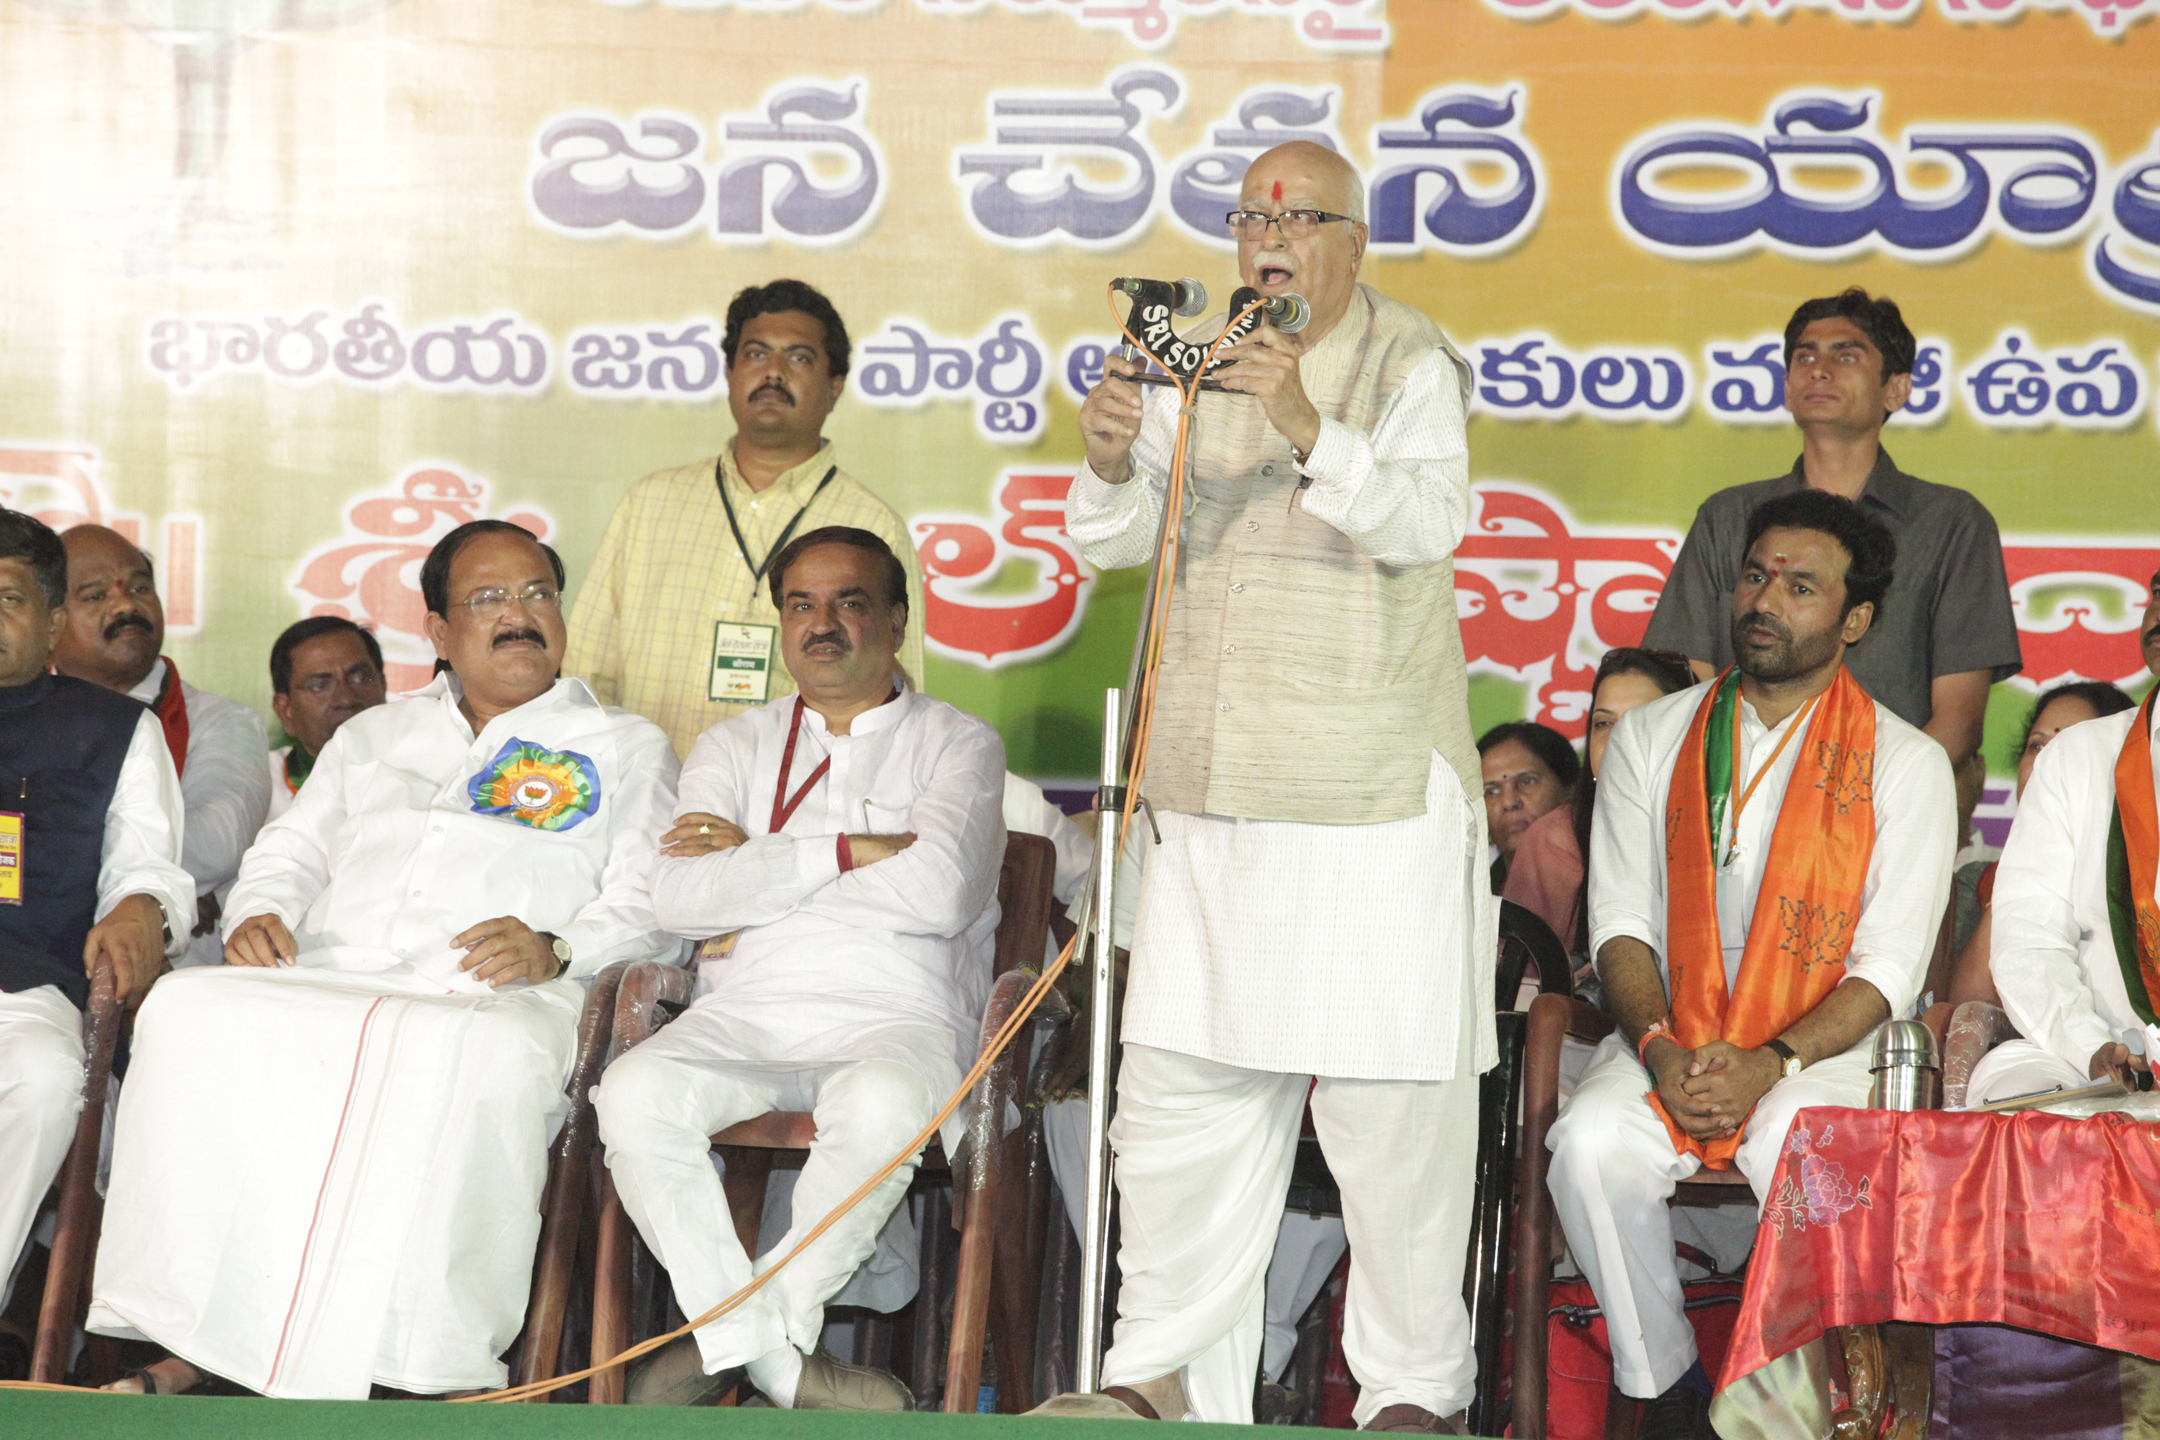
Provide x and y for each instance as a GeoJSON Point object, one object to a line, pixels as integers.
{"type": "Point", "coordinates": [561, 947]}
{"type": "Point", "coordinates": [1786, 1054]}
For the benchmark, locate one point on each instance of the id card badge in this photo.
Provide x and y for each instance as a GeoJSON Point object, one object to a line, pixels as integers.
{"type": "Point", "coordinates": [11, 858]}
{"type": "Point", "coordinates": [742, 663]}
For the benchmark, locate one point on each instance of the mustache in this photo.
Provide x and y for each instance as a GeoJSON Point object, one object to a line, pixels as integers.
{"type": "Point", "coordinates": [1755, 619]}
{"type": "Point", "coordinates": [829, 637]}
{"type": "Point", "coordinates": [776, 388]}
{"type": "Point", "coordinates": [511, 637]}
{"type": "Point", "coordinates": [127, 622]}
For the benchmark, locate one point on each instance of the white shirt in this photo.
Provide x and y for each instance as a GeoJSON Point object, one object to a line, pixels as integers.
{"type": "Point", "coordinates": [824, 958]}
{"type": "Point", "coordinates": [1401, 494]}
{"type": "Point", "coordinates": [281, 793]}
{"type": "Point", "coordinates": [223, 784]}
{"type": "Point", "coordinates": [385, 854]}
{"type": "Point", "coordinates": [1908, 878]}
{"type": "Point", "coordinates": [2053, 951]}
{"type": "Point", "coordinates": [1029, 812]}
{"type": "Point", "coordinates": [144, 829]}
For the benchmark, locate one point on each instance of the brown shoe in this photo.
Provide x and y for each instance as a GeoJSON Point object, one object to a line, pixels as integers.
{"type": "Point", "coordinates": [675, 1375]}
{"type": "Point", "coordinates": [1417, 1420]}
{"type": "Point", "coordinates": [829, 1383]}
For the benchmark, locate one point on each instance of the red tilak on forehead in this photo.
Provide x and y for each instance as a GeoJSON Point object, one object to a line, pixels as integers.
{"type": "Point", "coordinates": [1278, 192]}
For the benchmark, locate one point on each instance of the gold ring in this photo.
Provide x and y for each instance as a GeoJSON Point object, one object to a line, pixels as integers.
{"type": "Point", "coordinates": [704, 829]}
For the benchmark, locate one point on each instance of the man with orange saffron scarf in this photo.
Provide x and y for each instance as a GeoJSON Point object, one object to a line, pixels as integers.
{"type": "Point", "coordinates": [2076, 952]}
{"type": "Point", "coordinates": [1769, 864]}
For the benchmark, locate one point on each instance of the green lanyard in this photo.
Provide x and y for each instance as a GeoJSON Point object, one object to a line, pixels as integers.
{"type": "Point", "coordinates": [757, 571]}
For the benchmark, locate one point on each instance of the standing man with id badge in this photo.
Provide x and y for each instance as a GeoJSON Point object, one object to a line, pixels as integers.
{"type": "Point", "coordinates": [674, 621]}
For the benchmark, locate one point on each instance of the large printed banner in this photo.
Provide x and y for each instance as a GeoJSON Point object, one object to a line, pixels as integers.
{"type": "Point", "coordinates": [290, 289]}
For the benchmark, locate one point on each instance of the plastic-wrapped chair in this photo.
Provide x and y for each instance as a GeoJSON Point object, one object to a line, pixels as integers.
{"type": "Point", "coordinates": [81, 1208]}
{"type": "Point", "coordinates": [566, 1206]}
{"type": "Point", "coordinates": [1963, 1034]}
{"type": "Point", "coordinates": [995, 1207]}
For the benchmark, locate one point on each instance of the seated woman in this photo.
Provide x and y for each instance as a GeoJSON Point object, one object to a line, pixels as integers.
{"type": "Point", "coordinates": [1530, 770]}
{"type": "Point", "coordinates": [1549, 874]}
{"type": "Point", "coordinates": [2054, 712]}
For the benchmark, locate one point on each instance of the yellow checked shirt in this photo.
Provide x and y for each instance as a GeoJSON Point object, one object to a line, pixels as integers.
{"type": "Point", "coordinates": [669, 571]}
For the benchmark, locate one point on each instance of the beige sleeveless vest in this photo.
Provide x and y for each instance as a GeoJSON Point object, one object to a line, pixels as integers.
{"type": "Point", "coordinates": [1301, 679]}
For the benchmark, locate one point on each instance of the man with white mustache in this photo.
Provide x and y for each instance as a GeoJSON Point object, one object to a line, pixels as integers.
{"type": "Point", "coordinates": [673, 620]}
{"type": "Point", "coordinates": [1316, 917]}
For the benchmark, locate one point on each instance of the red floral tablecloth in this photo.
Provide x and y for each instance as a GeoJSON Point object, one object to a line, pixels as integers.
{"type": "Point", "coordinates": [2029, 1220]}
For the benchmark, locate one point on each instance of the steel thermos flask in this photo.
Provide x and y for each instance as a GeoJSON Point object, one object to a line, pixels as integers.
{"type": "Point", "coordinates": [1908, 1074]}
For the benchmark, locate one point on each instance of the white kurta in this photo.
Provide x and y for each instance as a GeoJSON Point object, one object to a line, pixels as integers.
{"type": "Point", "coordinates": [1614, 1165]}
{"type": "Point", "coordinates": [1268, 951]}
{"type": "Point", "coordinates": [281, 791]}
{"type": "Point", "coordinates": [329, 1175]}
{"type": "Point", "coordinates": [1348, 950]}
{"type": "Point", "coordinates": [2053, 951]}
{"type": "Point", "coordinates": [855, 995]}
{"type": "Point", "coordinates": [226, 792]}
{"type": "Point", "coordinates": [41, 1047]}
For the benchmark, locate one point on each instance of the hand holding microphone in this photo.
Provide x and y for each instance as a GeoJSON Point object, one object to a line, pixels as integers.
{"type": "Point", "coordinates": [1267, 368]}
{"type": "Point", "coordinates": [1260, 362]}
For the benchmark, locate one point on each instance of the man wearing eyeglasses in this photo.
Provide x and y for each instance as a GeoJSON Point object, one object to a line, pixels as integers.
{"type": "Point", "coordinates": [115, 637]}
{"type": "Point", "coordinates": [323, 671]}
{"type": "Point", "coordinates": [330, 1151]}
{"type": "Point", "coordinates": [1316, 917]}
{"type": "Point", "coordinates": [673, 620]}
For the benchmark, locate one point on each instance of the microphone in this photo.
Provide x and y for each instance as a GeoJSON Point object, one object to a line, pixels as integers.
{"type": "Point", "coordinates": [1287, 313]}
{"type": "Point", "coordinates": [1186, 298]}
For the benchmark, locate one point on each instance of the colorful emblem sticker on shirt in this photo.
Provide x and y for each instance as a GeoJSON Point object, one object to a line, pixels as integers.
{"type": "Point", "coordinates": [546, 789]}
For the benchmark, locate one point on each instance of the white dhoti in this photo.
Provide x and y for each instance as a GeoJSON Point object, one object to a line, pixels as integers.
{"type": "Point", "coordinates": [659, 1105]}
{"type": "Point", "coordinates": [2020, 1067]}
{"type": "Point", "coordinates": [326, 1180]}
{"type": "Point", "coordinates": [1613, 1169]}
{"type": "Point", "coordinates": [1266, 953]}
{"type": "Point", "coordinates": [1203, 1160]}
{"type": "Point", "coordinates": [41, 1092]}
{"type": "Point", "coordinates": [1307, 1247]}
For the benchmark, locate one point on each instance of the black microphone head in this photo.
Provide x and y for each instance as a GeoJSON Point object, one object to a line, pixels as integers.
{"type": "Point", "coordinates": [1191, 298]}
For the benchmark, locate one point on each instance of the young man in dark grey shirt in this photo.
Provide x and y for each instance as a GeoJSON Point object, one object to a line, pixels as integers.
{"type": "Point", "coordinates": [1945, 632]}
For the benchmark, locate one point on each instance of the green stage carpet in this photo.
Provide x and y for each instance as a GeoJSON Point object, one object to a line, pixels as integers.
{"type": "Point", "coordinates": [34, 1416]}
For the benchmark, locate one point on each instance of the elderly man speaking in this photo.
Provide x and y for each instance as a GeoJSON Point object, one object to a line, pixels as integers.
{"type": "Point", "coordinates": [330, 1151]}
{"type": "Point", "coordinates": [1317, 907]}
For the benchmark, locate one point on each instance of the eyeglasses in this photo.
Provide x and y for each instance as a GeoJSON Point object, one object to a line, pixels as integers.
{"type": "Point", "coordinates": [359, 677]}
{"type": "Point", "coordinates": [486, 605]}
{"type": "Point", "coordinates": [1294, 224]}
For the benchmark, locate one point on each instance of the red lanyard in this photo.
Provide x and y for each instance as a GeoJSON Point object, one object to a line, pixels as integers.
{"type": "Point", "coordinates": [782, 812]}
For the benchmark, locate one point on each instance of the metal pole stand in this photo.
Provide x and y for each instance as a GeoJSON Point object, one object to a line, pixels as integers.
{"type": "Point", "coordinates": [1095, 1234]}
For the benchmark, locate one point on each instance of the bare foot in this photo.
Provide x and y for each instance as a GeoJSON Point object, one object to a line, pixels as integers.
{"type": "Point", "coordinates": [170, 1376]}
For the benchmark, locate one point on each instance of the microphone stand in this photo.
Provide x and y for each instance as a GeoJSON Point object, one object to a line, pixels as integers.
{"type": "Point", "coordinates": [1121, 738]}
